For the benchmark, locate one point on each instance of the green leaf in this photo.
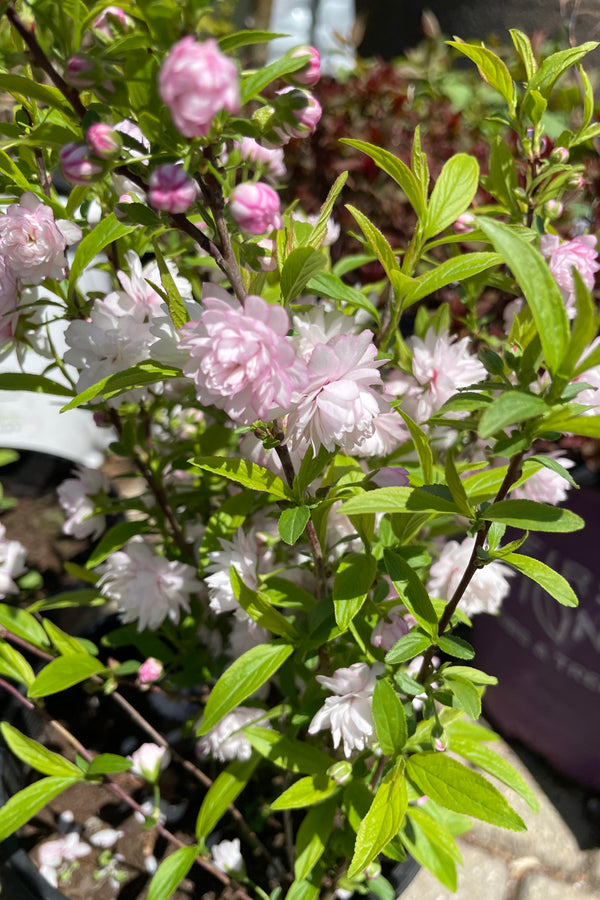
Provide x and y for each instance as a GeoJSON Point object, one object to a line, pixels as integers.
{"type": "Point", "coordinates": [313, 834]}
{"type": "Point", "coordinates": [327, 285]}
{"type": "Point", "coordinates": [137, 376]}
{"type": "Point", "coordinates": [411, 590]}
{"type": "Point", "coordinates": [23, 806]}
{"type": "Point", "coordinates": [533, 516]}
{"type": "Point", "coordinates": [241, 679]}
{"type": "Point", "coordinates": [171, 872]}
{"type": "Point", "coordinates": [452, 194]}
{"type": "Point", "coordinates": [550, 463]}
{"type": "Point", "coordinates": [538, 286]}
{"type": "Point", "coordinates": [24, 381]}
{"type": "Point", "coordinates": [352, 583]}
{"type": "Point", "coordinates": [430, 498]}
{"type": "Point", "coordinates": [474, 675]}
{"type": "Point", "coordinates": [244, 38]}
{"type": "Point", "coordinates": [36, 755]}
{"type": "Point", "coordinates": [588, 426]}
{"type": "Point", "coordinates": [106, 764]}
{"type": "Point", "coordinates": [116, 536]}
{"type": "Point", "coordinates": [288, 753]}
{"type": "Point", "coordinates": [555, 65]}
{"type": "Point", "coordinates": [107, 231]}
{"type": "Point", "coordinates": [23, 624]}
{"type": "Point", "coordinates": [491, 68]}
{"type": "Point", "coordinates": [456, 487]}
{"type": "Point", "coordinates": [259, 608]}
{"type": "Point", "coordinates": [63, 673]}
{"type": "Point", "coordinates": [457, 268]}
{"type": "Point", "coordinates": [300, 266]}
{"type": "Point", "coordinates": [436, 832]}
{"type": "Point", "coordinates": [382, 822]}
{"type": "Point", "coordinates": [253, 84]}
{"type": "Point", "coordinates": [475, 752]}
{"type": "Point", "coordinates": [306, 792]}
{"type": "Point", "coordinates": [466, 694]}
{"type": "Point", "coordinates": [175, 304]}
{"type": "Point", "coordinates": [244, 472]}
{"type": "Point", "coordinates": [14, 665]}
{"type": "Point", "coordinates": [292, 523]}
{"type": "Point", "coordinates": [66, 644]}
{"type": "Point", "coordinates": [557, 586]}
{"type": "Point", "coordinates": [427, 852]}
{"type": "Point", "coordinates": [401, 283]}
{"type": "Point", "coordinates": [319, 232]}
{"type": "Point", "coordinates": [409, 646]}
{"type": "Point", "coordinates": [50, 96]}
{"type": "Point", "coordinates": [422, 446]}
{"type": "Point", "coordinates": [458, 788]}
{"type": "Point", "coordinates": [510, 408]}
{"type": "Point", "coordinates": [389, 717]}
{"type": "Point", "coordinates": [224, 790]}
{"type": "Point", "coordinates": [455, 646]}
{"type": "Point", "coordinates": [394, 167]}
{"type": "Point", "coordinates": [303, 890]}
{"type": "Point", "coordinates": [525, 51]}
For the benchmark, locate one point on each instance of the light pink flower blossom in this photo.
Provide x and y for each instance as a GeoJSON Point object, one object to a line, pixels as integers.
{"type": "Point", "coordinates": [487, 589]}
{"type": "Point", "coordinates": [240, 358]}
{"type": "Point", "coordinates": [348, 714]}
{"type": "Point", "coordinates": [226, 740]}
{"type": "Point", "coordinates": [8, 302]}
{"type": "Point", "coordinates": [196, 82]}
{"type": "Point", "coordinates": [339, 404]}
{"type": "Point", "coordinates": [256, 207]}
{"type": "Point", "coordinates": [311, 72]}
{"type": "Point", "coordinates": [269, 157]}
{"type": "Point", "coordinates": [149, 671]}
{"type": "Point", "coordinates": [107, 18]}
{"type": "Point", "coordinates": [590, 396]}
{"type": "Point", "coordinates": [147, 588]}
{"type": "Point", "coordinates": [80, 72]}
{"type": "Point", "coordinates": [318, 327]}
{"type": "Point", "coordinates": [32, 243]}
{"type": "Point", "coordinates": [391, 627]}
{"type": "Point", "coordinates": [242, 552]}
{"type": "Point", "coordinates": [103, 140]}
{"type": "Point", "coordinates": [545, 486]}
{"type": "Point", "coordinates": [563, 257]}
{"type": "Point", "coordinates": [77, 164]}
{"type": "Point", "coordinates": [12, 563]}
{"type": "Point", "coordinates": [64, 850]}
{"type": "Point", "coordinates": [389, 431]}
{"type": "Point", "coordinates": [171, 189]}
{"type": "Point", "coordinates": [75, 496]}
{"type": "Point", "coordinates": [149, 760]}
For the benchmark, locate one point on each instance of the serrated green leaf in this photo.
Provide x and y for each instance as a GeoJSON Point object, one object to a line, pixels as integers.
{"type": "Point", "coordinates": [455, 646]}
{"type": "Point", "coordinates": [382, 822]}
{"type": "Point", "coordinates": [411, 590]}
{"type": "Point", "coordinates": [510, 408]}
{"type": "Point", "coordinates": [107, 763]}
{"type": "Point", "coordinates": [394, 167]}
{"type": "Point", "coordinates": [436, 832]}
{"type": "Point", "coordinates": [427, 852]}
{"type": "Point", "coordinates": [555, 65]}
{"type": "Point", "coordinates": [474, 675]}
{"type": "Point", "coordinates": [410, 645]}
{"type": "Point", "coordinates": [300, 266]}
{"type": "Point", "coordinates": [457, 268]}
{"type": "Point", "coordinates": [538, 286]}
{"type": "Point", "coordinates": [491, 68]}
{"type": "Point", "coordinates": [288, 753]}
{"type": "Point", "coordinates": [65, 643]}
{"type": "Point", "coordinates": [137, 376]}
{"type": "Point", "coordinates": [245, 38]}
{"type": "Point", "coordinates": [466, 694]}
{"type": "Point", "coordinates": [475, 752]}
{"type": "Point", "coordinates": [331, 286]}
{"type": "Point", "coordinates": [458, 788]}
{"type": "Point", "coordinates": [175, 304]}
{"type": "Point", "coordinates": [319, 232]}
{"type": "Point", "coordinates": [389, 717]}
{"type": "Point", "coordinates": [306, 792]}
{"type": "Point", "coordinates": [224, 790]}
{"type": "Point", "coordinates": [352, 582]}
{"type": "Point", "coordinates": [253, 84]}
{"type": "Point", "coordinates": [37, 756]}
{"type": "Point", "coordinates": [312, 837]}
{"type": "Point", "coordinates": [452, 194]}
{"type": "Point", "coordinates": [23, 624]}
{"type": "Point", "coordinates": [63, 673]}
{"type": "Point", "coordinates": [456, 487]}
{"type": "Point", "coordinates": [422, 446]}
{"type": "Point", "coordinates": [23, 806]}
{"type": "Point", "coordinates": [25, 381]}
{"type": "Point", "coordinates": [244, 472]}
{"type": "Point", "coordinates": [553, 464]}
{"type": "Point", "coordinates": [429, 498]}
{"type": "Point", "coordinates": [557, 586]}
{"type": "Point", "coordinates": [171, 872]}
{"type": "Point", "coordinates": [259, 608]}
{"type": "Point", "coordinates": [241, 679]}
{"type": "Point", "coordinates": [525, 51]}
{"type": "Point", "coordinates": [533, 516]}
{"type": "Point", "coordinates": [384, 253]}
{"type": "Point", "coordinates": [108, 230]}
{"type": "Point", "coordinates": [292, 523]}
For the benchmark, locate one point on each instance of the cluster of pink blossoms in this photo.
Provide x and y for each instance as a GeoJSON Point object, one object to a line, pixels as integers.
{"type": "Point", "coordinates": [564, 256]}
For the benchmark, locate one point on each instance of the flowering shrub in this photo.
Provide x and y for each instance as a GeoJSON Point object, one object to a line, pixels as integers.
{"type": "Point", "coordinates": [325, 501]}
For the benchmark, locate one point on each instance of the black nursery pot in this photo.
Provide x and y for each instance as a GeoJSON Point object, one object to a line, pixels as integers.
{"type": "Point", "coordinates": [547, 656]}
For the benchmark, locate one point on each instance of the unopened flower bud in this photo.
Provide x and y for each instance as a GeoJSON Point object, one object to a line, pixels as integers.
{"type": "Point", "coordinates": [256, 207]}
{"type": "Point", "coordinates": [464, 224]}
{"type": "Point", "coordinates": [171, 189]}
{"type": "Point", "coordinates": [103, 141]}
{"type": "Point", "coordinates": [80, 72]}
{"type": "Point", "coordinates": [559, 155]}
{"type": "Point", "coordinates": [575, 182]}
{"type": "Point", "coordinates": [297, 114]}
{"type": "Point", "coordinates": [373, 870]}
{"type": "Point", "coordinates": [311, 72]}
{"type": "Point", "coordinates": [120, 211]}
{"type": "Point", "coordinates": [149, 760]}
{"type": "Point", "coordinates": [149, 671]}
{"type": "Point", "coordinates": [108, 18]}
{"type": "Point", "coordinates": [341, 772]}
{"type": "Point", "coordinates": [553, 209]}
{"type": "Point", "coordinates": [77, 165]}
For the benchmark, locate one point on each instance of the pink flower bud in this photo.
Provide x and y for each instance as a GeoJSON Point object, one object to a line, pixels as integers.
{"type": "Point", "coordinates": [171, 189]}
{"type": "Point", "coordinates": [553, 209]}
{"type": "Point", "coordinates": [103, 141]}
{"type": "Point", "coordinates": [341, 772]}
{"type": "Point", "coordinates": [311, 73]}
{"type": "Point", "coordinates": [80, 72]}
{"type": "Point", "coordinates": [256, 207]}
{"type": "Point", "coordinates": [559, 155]}
{"type": "Point", "coordinates": [464, 224]}
{"type": "Point", "coordinates": [77, 165]}
{"type": "Point", "coordinates": [121, 213]}
{"type": "Point", "coordinates": [196, 82]}
{"type": "Point", "coordinates": [300, 113]}
{"type": "Point", "coordinates": [149, 671]}
{"type": "Point", "coordinates": [108, 17]}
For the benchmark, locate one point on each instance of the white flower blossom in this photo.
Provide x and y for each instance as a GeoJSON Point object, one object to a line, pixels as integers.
{"type": "Point", "coordinates": [149, 760]}
{"type": "Point", "coordinates": [75, 496]}
{"type": "Point", "coordinates": [348, 714]}
{"type": "Point", "coordinates": [242, 552]}
{"type": "Point", "coordinates": [226, 740]}
{"type": "Point", "coordinates": [12, 563]}
{"type": "Point", "coordinates": [486, 590]}
{"type": "Point", "coordinates": [227, 857]}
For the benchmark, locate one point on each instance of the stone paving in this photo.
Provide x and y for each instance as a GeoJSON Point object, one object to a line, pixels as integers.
{"type": "Point", "coordinates": [544, 863]}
